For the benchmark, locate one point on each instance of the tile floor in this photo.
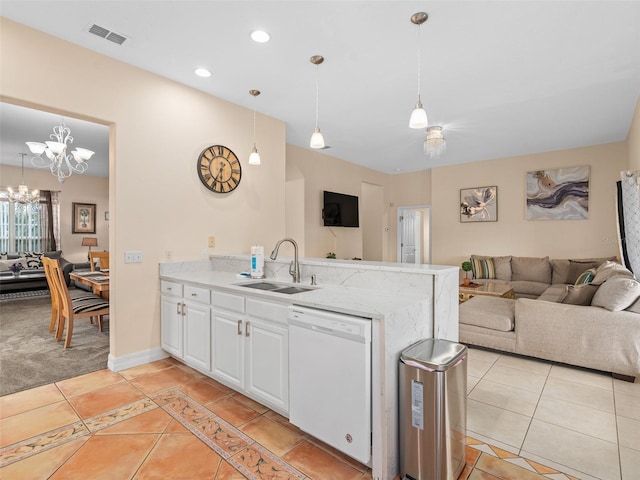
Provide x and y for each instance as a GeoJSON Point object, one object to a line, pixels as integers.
{"type": "Point", "coordinates": [580, 422]}
{"type": "Point", "coordinates": [526, 420]}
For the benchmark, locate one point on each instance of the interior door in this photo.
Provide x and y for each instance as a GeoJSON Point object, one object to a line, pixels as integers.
{"type": "Point", "coordinates": [410, 222]}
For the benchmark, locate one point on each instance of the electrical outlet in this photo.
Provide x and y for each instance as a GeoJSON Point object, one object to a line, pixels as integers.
{"type": "Point", "coordinates": [212, 242]}
{"type": "Point", "coordinates": [132, 257]}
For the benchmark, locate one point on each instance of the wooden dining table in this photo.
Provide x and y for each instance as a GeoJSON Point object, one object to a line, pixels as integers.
{"type": "Point", "coordinates": [98, 281]}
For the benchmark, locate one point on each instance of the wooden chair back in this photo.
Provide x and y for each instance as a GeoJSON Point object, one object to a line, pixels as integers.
{"type": "Point", "coordinates": [103, 257]}
{"type": "Point", "coordinates": [55, 298]}
{"type": "Point", "coordinates": [87, 306]}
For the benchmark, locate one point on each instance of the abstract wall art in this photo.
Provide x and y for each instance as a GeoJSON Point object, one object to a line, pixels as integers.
{"type": "Point", "coordinates": [558, 194]}
{"type": "Point", "coordinates": [479, 204]}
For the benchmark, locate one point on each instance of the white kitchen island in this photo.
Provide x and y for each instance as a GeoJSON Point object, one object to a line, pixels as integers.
{"type": "Point", "coordinates": [405, 302]}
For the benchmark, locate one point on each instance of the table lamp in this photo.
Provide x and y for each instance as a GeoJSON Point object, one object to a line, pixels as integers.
{"type": "Point", "coordinates": [89, 242]}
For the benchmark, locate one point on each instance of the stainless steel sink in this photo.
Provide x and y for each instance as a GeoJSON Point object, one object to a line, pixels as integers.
{"type": "Point", "coordinates": [275, 287]}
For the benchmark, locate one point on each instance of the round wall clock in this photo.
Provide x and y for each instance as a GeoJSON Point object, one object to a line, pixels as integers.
{"type": "Point", "coordinates": [219, 169]}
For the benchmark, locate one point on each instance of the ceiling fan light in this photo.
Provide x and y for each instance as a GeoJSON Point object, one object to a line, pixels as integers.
{"type": "Point", "coordinates": [418, 117]}
{"type": "Point", "coordinates": [317, 139]}
{"type": "Point", "coordinates": [36, 148]}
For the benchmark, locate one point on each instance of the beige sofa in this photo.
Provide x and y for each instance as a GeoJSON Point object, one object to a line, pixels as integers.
{"type": "Point", "coordinates": [601, 331]}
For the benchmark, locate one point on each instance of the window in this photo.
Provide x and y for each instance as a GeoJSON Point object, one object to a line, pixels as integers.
{"type": "Point", "coordinates": [24, 227]}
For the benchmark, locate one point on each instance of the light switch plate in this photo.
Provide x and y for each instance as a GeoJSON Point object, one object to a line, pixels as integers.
{"type": "Point", "coordinates": [132, 257]}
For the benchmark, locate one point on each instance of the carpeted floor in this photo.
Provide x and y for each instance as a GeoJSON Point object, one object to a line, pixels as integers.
{"type": "Point", "coordinates": [30, 355]}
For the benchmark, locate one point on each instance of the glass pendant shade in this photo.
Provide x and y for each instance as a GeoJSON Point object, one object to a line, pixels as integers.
{"type": "Point", "coordinates": [36, 148]}
{"type": "Point", "coordinates": [254, 157]}
{"type": "Point", "coordinates": [317, 139]}
{"type": "Point", "coordinates": [435, 143]}
{"type": "Point", "coordinates": [418, 117]}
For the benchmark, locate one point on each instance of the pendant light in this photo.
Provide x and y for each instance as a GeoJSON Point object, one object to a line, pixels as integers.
{"type": "Point", "coordinates": [254, 158]}
{"type": "Point", "coordinates": [435, 143]}
{"type": "Point", "coordinates": [418, 117]}
{"type": "Point", "coordinates": [317, 140]}
{"type": "Point", "coordinates": [22, 195]}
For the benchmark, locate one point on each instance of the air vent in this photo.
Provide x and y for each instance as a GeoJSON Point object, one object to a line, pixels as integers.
{"type": "Point", "coordinates": [107, 34]}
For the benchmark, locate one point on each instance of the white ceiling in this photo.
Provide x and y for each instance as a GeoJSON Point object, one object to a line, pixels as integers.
{"type": "Point", "coordinates": [503, 78]}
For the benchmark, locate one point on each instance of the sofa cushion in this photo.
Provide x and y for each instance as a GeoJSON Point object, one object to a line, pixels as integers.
{"type": "Point", "coordinates": [635, 307]}
{"type": "Point", "coordinates": [555, 293]}
{"type": "Point", "coordinates": [34, 259]}
{"type": "Point", "coordinates": [5, 264]}
{"type": "Point", "coordinates": [533, 269]}
{"type": "Point", "coordinates": [489, 312]}
{"type": "Point", "coordinates": [586, 277]}
{"type": "Point", "coordinates": [502, 266]}
{"type": "Point", "coordinates": [580, 294]}
{"type": "Point", "coordinates": [617, 293]}
{"type": "Point", "coordinates": [561, 268]}
{"type": "Point", "coordinates": [532, 289]}
{"type": "Point", "coordinates": [483, 268]}
{"type": "Point", "coordinates": [609, 269]}
{"type": "Point", "coordinates": [578, 267]}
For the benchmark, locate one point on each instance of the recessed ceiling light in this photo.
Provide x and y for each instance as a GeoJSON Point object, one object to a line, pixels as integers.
{"type": "Point", "coordinates": [202, 72]}
{"type": "Point", "coordinates": [260, 36]}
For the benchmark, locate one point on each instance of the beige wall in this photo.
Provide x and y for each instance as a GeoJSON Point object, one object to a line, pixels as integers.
{"type": "Point", "coordinates": [633, 140]}
{"type": "Point", "coordinates": [156, 201]}
{"type": "Point", "coordinates": [512, 234]}
{"type": "Point", "coordinates": [78, 189]}
{"type": "Point", "coordinates": [321, 172]}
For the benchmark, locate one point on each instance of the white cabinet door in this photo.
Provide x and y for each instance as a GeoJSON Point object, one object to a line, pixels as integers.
{"type": "Point", "coordinates": [268, 362]}
{"type": "Point", "coordinates": [227, 343]}
{"type": "Point", "coordinates": [172, 325]}
{"type": "Point", "coordinates": [197, 335]}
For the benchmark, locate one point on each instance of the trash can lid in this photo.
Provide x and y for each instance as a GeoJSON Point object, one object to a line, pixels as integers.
{"type": "Point", "coordinates": [434, 354]}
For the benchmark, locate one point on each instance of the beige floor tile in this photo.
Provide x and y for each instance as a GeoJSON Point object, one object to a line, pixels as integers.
{"type": "Point", "coordinates": [153, 421]}
{"type": "Point", "coordinates": [578, 418]}
{"type": "Point", "coordinates": [586, 377]}
{"type": "Point", "coordinates": [483, 355]}
{"type": "Point", "coordinates": [578, 451]}
{"type": "Point", "coordinates": [478, 368]}
{"type": "Point", "coordinates": [202, 391]}
{"type": "Point", "coordinates": [628, 388]}
{"type": "Point", "coordinates": [131, 373]}
{"type": "Point", "coordinates": [252, 404]}
{"type": "Point", "coordinates": [630, 463]}
{"type": "Point", "coordinates": [29, 399]}
{"type": "Point", "coordinates": [89, 382]}
{"type": "Point", "coordinates": [629, 433]}
{"type": "Point", "coordinates": [587, 395]}
{"type": "Point", "coordinates": [232, 411]}
{"type": "Point", "coordinates": [162, 379]}
{"type": "Point", "coordinates": [516, 378]}
{"type": "Point", "coordinates": [496, 423]}
{"type": "Point", "coordinates": [503, 396]}
{"type": "Point", "coordinates": [471, 382]}
{"type": "Point", "coordinates": [318, 464]}
{"type": "Point", "coordinates": [627, 406]}
{"type": "Point", "coordinates": [527, 364]}
{"type": "Point", "coordinates": [503, 469]}
{"type": "Point", "coordinates": [35, 422]}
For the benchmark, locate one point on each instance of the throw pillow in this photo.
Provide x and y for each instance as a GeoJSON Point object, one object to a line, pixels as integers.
{"type": "Point", "coordinates": [483, 268]}
{"type": "Point", "coordinates": [34, 260]}
{"type": "Point", "coordinates": [617, 293]}
{"type": "Point", "coordinates": [502, 264]}
{"type": "Point", "coordinates": [609, 269]}
{"type": "Point", "coordinates": [577, 268]}
{"type": "Point", "coordinates": [586, 277]}
{"type": "Point", "coordinates": [580, 294]}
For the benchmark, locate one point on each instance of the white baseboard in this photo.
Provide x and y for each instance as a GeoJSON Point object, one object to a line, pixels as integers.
{"type": "Point", "coordinates": [116, 364]}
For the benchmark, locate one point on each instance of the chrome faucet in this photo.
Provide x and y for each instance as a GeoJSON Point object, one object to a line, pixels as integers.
{"type": "Point", "coordinates": [294, 267]}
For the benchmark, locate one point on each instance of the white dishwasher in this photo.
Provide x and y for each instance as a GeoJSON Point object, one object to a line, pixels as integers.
{"type": "Point", "coordinates": [330, 378]}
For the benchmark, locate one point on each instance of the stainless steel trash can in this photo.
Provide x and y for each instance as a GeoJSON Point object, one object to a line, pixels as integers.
{"type": "Point", "coordinates": [433, 410]}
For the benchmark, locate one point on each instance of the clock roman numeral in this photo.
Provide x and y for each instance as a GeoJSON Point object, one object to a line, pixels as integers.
{"type": "Point", "coordinates": [234, 184]}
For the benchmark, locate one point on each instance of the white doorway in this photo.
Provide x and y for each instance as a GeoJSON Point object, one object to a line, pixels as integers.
{"type": "Point", "coordinates": [414, 234]}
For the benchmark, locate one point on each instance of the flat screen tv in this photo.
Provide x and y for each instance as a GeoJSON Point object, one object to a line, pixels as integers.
{"type": "Point", "coordinates": [340, 210]}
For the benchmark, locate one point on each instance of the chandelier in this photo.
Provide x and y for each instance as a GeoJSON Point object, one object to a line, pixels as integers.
{"type": "Point", "coordinates": [22, 195]}
{"type": "Point", "coordinates": [61, 163]}
{"type": "Point", "coordinates": [435, 143]}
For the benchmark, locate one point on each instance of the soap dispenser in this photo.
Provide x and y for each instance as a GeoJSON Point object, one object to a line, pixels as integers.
{"type": "Point", "coordinates": [257, 261]}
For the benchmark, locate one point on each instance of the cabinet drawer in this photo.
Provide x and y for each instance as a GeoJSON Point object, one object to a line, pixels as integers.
{"type": "Point", "coordinates": [228, 301]}
{"type": "Point", "coordinates": [273, 311]}
{"type": "Point", "coordinates": [197, 294]}
{"type": "Point", "coordinates": [171, 288]}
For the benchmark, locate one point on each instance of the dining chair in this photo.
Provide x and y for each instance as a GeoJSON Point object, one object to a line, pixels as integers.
{"type": "Point", "coordinates": [86, 306]}
{"type": "Point", "coordinates": [102, 257]}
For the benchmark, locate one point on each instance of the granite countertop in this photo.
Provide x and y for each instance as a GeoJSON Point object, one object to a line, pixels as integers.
{"type": "Point", "coordinates": [348, 300]}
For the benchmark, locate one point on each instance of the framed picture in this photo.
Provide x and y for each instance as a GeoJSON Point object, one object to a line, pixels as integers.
{"type": "Point", "coordinates": [479, 204]}
{"type": "Point", "coordinates": [84, 218]}
{"type": "Point", "coordinates": [558, 194]}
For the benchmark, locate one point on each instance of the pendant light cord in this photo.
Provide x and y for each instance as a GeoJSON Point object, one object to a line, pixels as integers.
{"type": "Point", "coordinates": [254, 121]}
{"type": "Point", "coordinates": [317, 94]}
{"type": "Point", "coordinates": [419, 58]}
